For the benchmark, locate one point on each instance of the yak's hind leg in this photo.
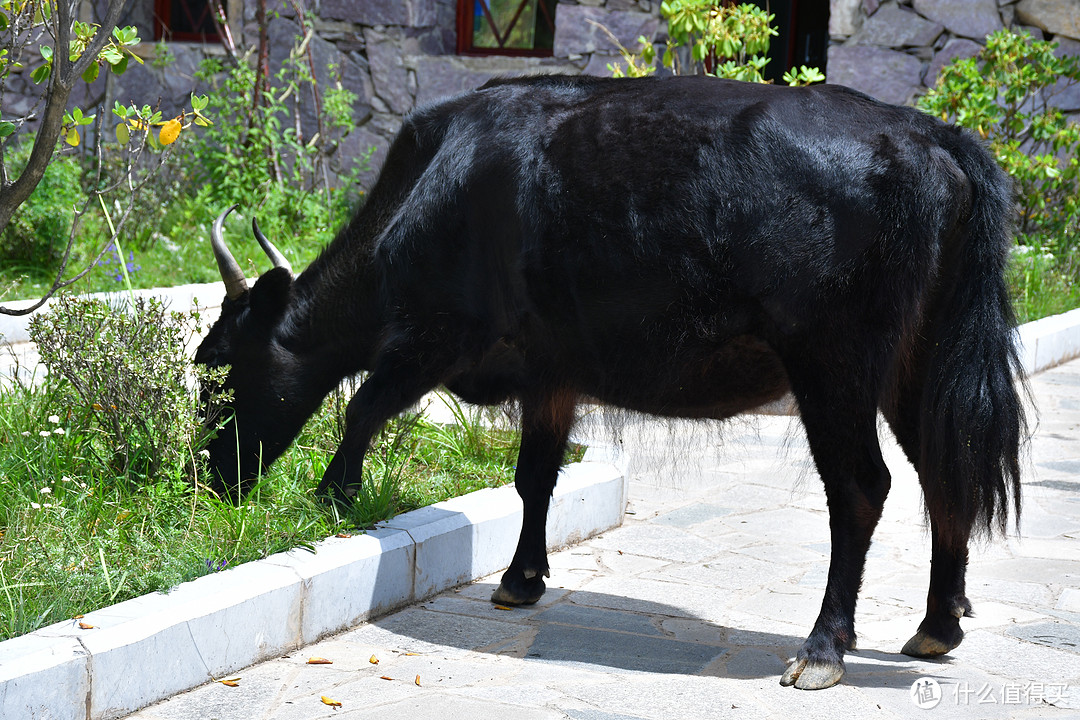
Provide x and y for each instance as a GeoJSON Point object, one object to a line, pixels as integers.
{"type": "Point", "coordinates": [545, 428]}
{"type": "Point", "coordinates": [841, 426]}
{"type": "Point", "coordinates": [946, 601]}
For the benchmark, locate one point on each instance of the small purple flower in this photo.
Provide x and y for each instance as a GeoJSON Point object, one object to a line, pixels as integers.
{"type": "Point", "coordinates": [112, 256]}
{"type": "Point", "coordinates": [211, 566]}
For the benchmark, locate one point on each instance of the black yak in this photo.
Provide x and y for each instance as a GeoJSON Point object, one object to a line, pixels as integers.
{"type": "Point", "coordinates": [686, 247]}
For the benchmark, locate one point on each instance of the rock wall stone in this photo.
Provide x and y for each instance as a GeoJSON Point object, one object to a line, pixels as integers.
{"type": "Point", "coordinates": [894, 49]}
{"type": "Point", "coordinates": [394, 55]}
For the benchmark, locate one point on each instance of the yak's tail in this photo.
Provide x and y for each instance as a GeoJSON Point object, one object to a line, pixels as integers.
{"type": "Point", "coordinates": [973, 423]}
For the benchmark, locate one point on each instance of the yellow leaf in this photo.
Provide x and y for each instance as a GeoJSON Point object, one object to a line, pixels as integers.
{"type": "Point", "coordinates": [385, 677]}
{"type": "Point", "coordinates": [169, 132]}
{"type": "Point", "coordinates": [319, 661]}
{"type": "Point", "coordinates": [331, 703]}
{"type": "Point", "coordinates": [86, 626]}
{"type": "Point", "coordinates": [72, 137]}
{"type": "Point", "coordinates": [231, 683]}
{"type": "Point", "coordinates": [502, 607]}
{"type": "Point", "coordinates": [123, 134]}
{"type": "Point", "coordinates": [417, 681]}
{"type": "Point", "coordinates": [373, 660]}
{"type": "Point", "coordinates": [97, 407]}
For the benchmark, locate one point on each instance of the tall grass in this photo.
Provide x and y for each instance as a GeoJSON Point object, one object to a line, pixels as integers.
{"type": "Point", "coordinates": [1043, 281]}
{"type": "Point", "coordinates": [77, 535]}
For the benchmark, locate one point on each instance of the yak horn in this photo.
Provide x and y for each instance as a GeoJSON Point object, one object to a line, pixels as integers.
{"type": "Point", "coordinates": [235, 282]}
{"type": "Point", "coordinates": [268, 247]}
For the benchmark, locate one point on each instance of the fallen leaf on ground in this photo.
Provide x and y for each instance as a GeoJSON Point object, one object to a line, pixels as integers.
{"type": "Point", "coordinates": [344, 535]}
{"type": "Point", "coordinates": [373, 660]}
{"type": "Point", "coordinates": [231, 682]}
{"type": "Point", "coordinates": [408, 654]}
{"type": "Point", "coordinates": [385, 677]}
{"type": "Point", "coordinates": [503, 607]}
{"type": "Point", "coordinates": [331, 703]}
{"type": "Point", "coordinates": [319, 661]}
{"type": "Point", "coordinates": [417, 681]}
{"type": "Point", "coordinates": [86, 626]}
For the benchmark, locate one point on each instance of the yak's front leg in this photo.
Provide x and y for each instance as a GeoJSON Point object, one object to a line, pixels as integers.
{"type": "Point", "coordinates": [843, 439]}
{"type": "Point", "coordinates": [397, 383]}
{"type": "Point", "coordinates": [545, 428]}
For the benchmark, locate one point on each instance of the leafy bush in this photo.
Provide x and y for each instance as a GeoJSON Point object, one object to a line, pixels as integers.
{"type": "Point", "coordinates": [258, 155]}
{"type": "Point", "coordinates": [124, 377]}
{"type": "Point", "coordinates": [1003, 94]}
{"type": "Point", "coordinates": [38, 231]}
{"type": "Point", "coordinates": [713, 37]}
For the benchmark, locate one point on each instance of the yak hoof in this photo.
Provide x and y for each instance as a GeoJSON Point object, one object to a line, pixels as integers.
{"type": "Point", "coordinates": [924, 645]}
{"type": "Point", "coordinates": [805, 674]}
{"type": "Point", "coordinates": [516, 589]}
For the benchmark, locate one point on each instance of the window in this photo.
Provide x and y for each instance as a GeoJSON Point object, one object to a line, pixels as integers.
{"type": "Point", "coordinates": [190, 20]}
{"type": "Point", "coordinates": [505, 27]}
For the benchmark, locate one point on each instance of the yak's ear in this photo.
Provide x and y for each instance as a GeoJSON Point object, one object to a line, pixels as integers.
{"type": "Point", "coordinates": [270, 295]}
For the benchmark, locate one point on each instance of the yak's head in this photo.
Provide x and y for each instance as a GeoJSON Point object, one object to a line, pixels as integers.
{"type": "Point", "coordinates": [262, 417]}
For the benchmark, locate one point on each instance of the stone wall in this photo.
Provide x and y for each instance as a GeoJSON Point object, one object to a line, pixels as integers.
{"type": "Point", "coordinates": [894, 49]}
{"type": "Point", "coordinates": [398, 54]}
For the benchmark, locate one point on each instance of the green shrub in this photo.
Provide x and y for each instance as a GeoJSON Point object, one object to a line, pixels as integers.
{"type": "Point", "coordinates": [123, 375]}
{"type": "Point", "coordinates": [1002, 95]}
{"type": "Point", "coordinates": [713, 37]}
{"type": "Point", "coordinates": [38, 232]}
{"type": "Point", "coordinates": [254, 156]}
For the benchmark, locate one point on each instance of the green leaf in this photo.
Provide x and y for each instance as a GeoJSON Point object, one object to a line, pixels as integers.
{"type": "Point", "coordinates": [6, 128]}
{"type": "Point", "coordinates": [120, 67]}
{"type": "Point", "coordinates": [111, 55]}
{"type": "Point", "coordinates": [123, 133]}
{"type": "Point", "coordinates": [41, 74]}
{"type": "Point", "coordinates": [46, 52]}
{"type": "Point", "coordinates": [91, 73]}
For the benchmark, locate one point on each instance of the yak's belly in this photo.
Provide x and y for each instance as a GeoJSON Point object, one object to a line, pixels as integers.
{"type": "Point", "coordinates": [692, 380]}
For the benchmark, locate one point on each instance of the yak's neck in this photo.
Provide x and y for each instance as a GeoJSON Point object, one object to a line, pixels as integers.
{"type": "Point", "coordinates": [335, 322]}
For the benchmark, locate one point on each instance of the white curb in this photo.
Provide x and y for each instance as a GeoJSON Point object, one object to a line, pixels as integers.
{"type": "Point", "coordinates": [16, 328]}
{"type": "Point", "coordinates": [1050, 341]}
{"type": "Point", "coordinates": [155, 646]}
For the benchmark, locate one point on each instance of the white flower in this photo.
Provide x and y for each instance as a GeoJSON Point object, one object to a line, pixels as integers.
{"type": "Point", "coordinates": [44, 433]}
{"type": "Point", "coordinates": [65, 479]}
{"type": "Point", "coordinates": [26, 433]}
{"type": "Point", "coordinates": [59, 431]}
{"type": "Point", "coordinates": [54, 419]}
{"type": "Point", "coordinates": [45, 490]}
{"type": "Point", "coordinates": [204, 453]}
{"type": "Point", "coordinates": [34, 506]}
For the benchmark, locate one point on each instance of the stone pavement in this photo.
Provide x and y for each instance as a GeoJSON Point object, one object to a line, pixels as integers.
{"type": "Point", "coordinates": [691, 609]}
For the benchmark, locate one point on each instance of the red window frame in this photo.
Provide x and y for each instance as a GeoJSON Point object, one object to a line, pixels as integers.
{"type": "Point", "coordinates": [194, 14]}
{"type": "Point", "coordinates": [466, 12]}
